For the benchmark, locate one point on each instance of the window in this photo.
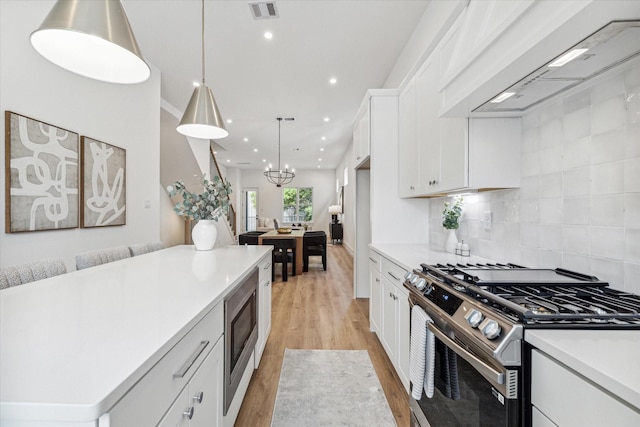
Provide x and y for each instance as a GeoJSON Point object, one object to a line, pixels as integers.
{"type": "Point", "coordinates": [297, 204]}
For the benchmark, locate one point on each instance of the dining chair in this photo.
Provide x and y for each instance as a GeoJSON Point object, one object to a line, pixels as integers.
{"type": "Point", "coordinates": [314, 243]}
{"type": "Point", "coordinates": [30, 272]}
{"type": "Point", "coordinates": [145, 248]}
{"type": "Point", "coordinates": [101, 256]}
{"type": "Point", "coordinates": [249, 238]}
{"type": "Point", "coordinates": [284, 251]}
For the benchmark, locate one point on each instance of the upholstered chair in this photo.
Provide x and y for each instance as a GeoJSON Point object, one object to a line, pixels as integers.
{"type": "Point", "coordinates": [30, 272]}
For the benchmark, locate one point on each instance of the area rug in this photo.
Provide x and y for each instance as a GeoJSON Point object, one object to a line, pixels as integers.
{"type": "Point", "coordinates": [330, 388]}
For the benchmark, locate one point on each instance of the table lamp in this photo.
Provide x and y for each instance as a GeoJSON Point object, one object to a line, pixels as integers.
{"type": "Point", "coordinates": [334, 210]}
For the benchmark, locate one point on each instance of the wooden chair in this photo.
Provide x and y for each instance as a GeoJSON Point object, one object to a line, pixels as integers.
{"type": "Point", "coordinates": [284, 251]}
{"type": "Point", "coordinates": [314, 243]}
{"type": "Point", "coordinates": [30, 272]}
{"type": "Point", "coordinates": [249, 238]}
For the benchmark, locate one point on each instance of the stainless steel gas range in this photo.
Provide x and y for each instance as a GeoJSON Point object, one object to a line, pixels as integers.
{"type": "Point", "coordinates": [478, 313]}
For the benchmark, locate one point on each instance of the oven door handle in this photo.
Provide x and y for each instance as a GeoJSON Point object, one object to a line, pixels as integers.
{"type": "Point", "coordinates": [484, 369]}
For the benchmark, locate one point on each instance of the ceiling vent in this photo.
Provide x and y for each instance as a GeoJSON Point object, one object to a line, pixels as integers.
{"type": "Point", "coordinates": [264, 10]}
{"type": "Point", "coordinates": [612, 45]}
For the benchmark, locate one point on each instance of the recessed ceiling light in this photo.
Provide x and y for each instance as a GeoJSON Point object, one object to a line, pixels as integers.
{"type": "Point", "coordinates": [567, 57]}
{"type": "Point", "coordinates": [229, 121]}
{"type": "Point", "coordinates": [264, 160]}
{"type": "Point", "coordinates": [322, 149]}
{"type": "Point", "coordinates": [319, 160]}
{"type": "Point", "coordinates": [255, 150]}
{"type": "Point", "coordinates": [246, 139]}
{"type": "Point", "coordinates": [324, 138]}
{"type": "Point", "coordinates": [228, 160]}
{"type": "Point", "coordinates": [268, 35]}
{"type": "Point", "coordinates": [326, 119]}
{"type": "Point", "coordinates": [502, 97]}
{"type": "Point", "coordinates": [333, 80]}
{"type": "Point", "coordinates": [318, 166]}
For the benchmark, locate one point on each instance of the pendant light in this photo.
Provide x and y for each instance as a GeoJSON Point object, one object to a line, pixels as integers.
{"type": "Point", "coordinates": [202, 118]}
{"type": "Point", "coordinates": [280, 177]}
{"type": "Point", "coordinates": [92, 39]}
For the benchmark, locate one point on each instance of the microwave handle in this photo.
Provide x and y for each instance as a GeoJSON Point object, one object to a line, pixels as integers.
{"type": "Point", "coordinates": [484, 369]}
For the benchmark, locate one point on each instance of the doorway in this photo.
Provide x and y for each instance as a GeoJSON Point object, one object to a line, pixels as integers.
{"type": "Point", "coordinates": [250, 208]}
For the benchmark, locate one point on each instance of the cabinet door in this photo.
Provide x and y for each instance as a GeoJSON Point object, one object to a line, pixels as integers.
{"type": "Point", "coordinates": [177, 414]}
{"type": "Point", "coordinates": [374, 298]}
{"type": "Point", "coordinates": [453, 153]}
{"type": "Point", "coordinates": [206, 388]}
{"type": "Point", "coordinates": [365, 135]}
{"type": "Point", "coordinates": [408, 149]}
{"type": "Point", "coordinates": [389, 320]}
{"type": "Point", "coordinates": [427, 117]}
{"type": "Point", "coordinates": [404, 341]}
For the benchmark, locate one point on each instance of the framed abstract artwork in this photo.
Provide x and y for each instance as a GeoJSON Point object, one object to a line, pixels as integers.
{"type": "Point", "coordinates": [41, 175]}
{"type": "Point", "coordinates": [103, 190]}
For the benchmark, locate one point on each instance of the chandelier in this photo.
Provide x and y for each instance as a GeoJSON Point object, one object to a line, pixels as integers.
{"type": "Point", "coordinates": [280, 177]}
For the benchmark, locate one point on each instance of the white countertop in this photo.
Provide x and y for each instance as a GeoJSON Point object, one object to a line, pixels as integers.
{"type": "Point", "coordinates": [410, 256]}
{"type": "Point", "coordinates": [72, 345]}
{"type": "Point", "coordinates": [608, 358]}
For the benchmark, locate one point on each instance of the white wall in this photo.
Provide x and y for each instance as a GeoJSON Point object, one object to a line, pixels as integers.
{"type": "Point", "coordinates": [349, 215]}
{"type": "Point", "coordinates": [270, 197]}
{"type": "Point", "coordinates": [579, 203]}
{"type": "Point", "coordinates": [127, 116]}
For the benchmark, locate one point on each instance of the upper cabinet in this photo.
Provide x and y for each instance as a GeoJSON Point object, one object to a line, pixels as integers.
{"type": "Point", "coordinates": [361, 136]}
{"type": "Point", "coordinates": [495, 44]}
{"type": "Point", "coordinates": [439, 155]}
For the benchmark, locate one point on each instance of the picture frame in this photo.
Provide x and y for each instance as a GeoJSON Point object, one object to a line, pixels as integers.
{"type": "Point", "coordinates": [41, 175]}
{"type": "Point", "coordinates": [103, 190]}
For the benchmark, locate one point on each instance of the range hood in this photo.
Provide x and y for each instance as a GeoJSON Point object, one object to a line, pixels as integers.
{"type": "Point", "coordinates": [610, 46]}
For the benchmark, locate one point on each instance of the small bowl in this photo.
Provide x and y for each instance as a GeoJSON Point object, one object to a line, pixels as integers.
{"type": "Point", "coordinates": [284, 230]}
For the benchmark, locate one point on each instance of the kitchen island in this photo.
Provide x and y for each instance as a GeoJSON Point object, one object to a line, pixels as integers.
{"type": "Point", "coordinates": [73, 346]}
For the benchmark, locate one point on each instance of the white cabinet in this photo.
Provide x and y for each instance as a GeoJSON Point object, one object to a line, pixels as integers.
{"type": "Point", "coordinates": [375, 308]}
{"type": "Point", "coordinates": [567, 399]}
{"type": "Point", "coordinates": [200, 403]}
{"type": "Point", "coordinates": [264, 307]}
{"type": "Point", "coordinates": [451, 154]}
{"type": "Point", "coordinates": [361, 136]}
{"type": "Point", "coordinates": [394, 334]}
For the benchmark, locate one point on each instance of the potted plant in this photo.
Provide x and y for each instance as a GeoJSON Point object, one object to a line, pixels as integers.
{"type": "Point", "coordinates": [205, 207]}
{"type": "Point", "coordinates": [450, 216]}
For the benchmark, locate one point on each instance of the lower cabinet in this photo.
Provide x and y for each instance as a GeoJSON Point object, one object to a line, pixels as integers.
{"type": "Point", "coordinates": [563, 398]}
{"type": "Point", "coordinates": [264, 307]}
{"type": "Point", "coordinates": [200, 403]}
{"type": "Point", "coordinates": [375, 308]}
{"type": "Point", "coordinates": [395, 317]}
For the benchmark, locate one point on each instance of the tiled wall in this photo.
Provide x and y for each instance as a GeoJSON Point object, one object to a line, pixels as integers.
{"type": "Point", "coordinates": [579, 203]}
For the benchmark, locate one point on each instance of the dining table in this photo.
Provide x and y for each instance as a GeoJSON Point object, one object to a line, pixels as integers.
{"type": "Point", "coordinates": [295, 234]}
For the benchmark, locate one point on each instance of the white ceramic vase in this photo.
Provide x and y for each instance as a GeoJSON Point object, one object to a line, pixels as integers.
{"type": "Point", "coordinates": [204, 234]}
{"type": "Point", "coordinates": [450, 241]}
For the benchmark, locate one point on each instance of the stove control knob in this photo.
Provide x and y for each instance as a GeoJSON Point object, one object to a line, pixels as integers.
{"type": "Point", "coordinates": [408, 275]}
{"type": "Point", "coordinates": [490, 329]}
{"type": "Point", "coordinates": [474, 317]}
{"type": "Point", "coordinates": [421, 284]}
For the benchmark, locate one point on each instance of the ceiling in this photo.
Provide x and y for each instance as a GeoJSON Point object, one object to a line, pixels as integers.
{"type": "Point", "coordinates": [256, 80]}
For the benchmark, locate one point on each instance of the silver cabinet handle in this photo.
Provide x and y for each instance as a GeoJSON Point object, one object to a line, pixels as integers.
{"type": "Point", "coordinates": [484, 369]}
{"type": "Point", "coordinates": [189, 412]}
{"type": "Point", "coordinates": [392, 275]}
{"type": "Point", "coordinates": [377, 280]}
{"type": "Point", "coordinates": [411, 187]}
{"type": "Point", "coordinates": [373, 260]}
{"type": "Point", "coordinates": [198, 397]}
{"type": "Point", "coordinates": [191, 360]}
{"type": "Point", "coordinates": [266, 267]}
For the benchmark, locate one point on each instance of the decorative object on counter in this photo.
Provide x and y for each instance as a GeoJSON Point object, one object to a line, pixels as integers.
{"type": "Point", "coordinates": [41, 172]}
{"type": "Point", "coordinates": [284, 230]}
{"type": "Point", "coordinates": [103, 190]}
{"type": "Point", "coordinates": [462, 249]}
{"type": "Point", "coordinates": [450, 215]}
{"type": "Point", "coordinates": [330, 387]}
{"type": "Point", "coordinates": [205, 208]}
{"type": "Point", "coordinates": [280, 177]}
{"type": "Point", "coordinates": [92, 39]}
{"type": "Point", "coordinates": [201, 118]}
{"type": "Point", "coordinates": [334, 210]}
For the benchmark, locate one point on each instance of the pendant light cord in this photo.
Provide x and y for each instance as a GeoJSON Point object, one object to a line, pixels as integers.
{"type": "Point", "coordinates": [203, 43]}
{"type": "Point", "coordinates": [279, 122]}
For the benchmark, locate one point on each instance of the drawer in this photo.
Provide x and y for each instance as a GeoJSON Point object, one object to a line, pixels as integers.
{"type": "Point", "coordinates": [265, 269]}
{"type": "Point", "coordinates": [393, 272]}
{"type": "Point", "coordinates": [147, 401]}
{"type": "Point", "coordinates": [568, 399]}
{"type": "Point", "coordinates": [374, 260]}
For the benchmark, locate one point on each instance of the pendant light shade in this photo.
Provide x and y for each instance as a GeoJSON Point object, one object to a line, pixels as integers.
{"type": "Point", "coordinates": [92, 39]}
{"type": "Point", "coordinates": [280, 177]}
{"type": "Point", "coordinates": [202, 118]}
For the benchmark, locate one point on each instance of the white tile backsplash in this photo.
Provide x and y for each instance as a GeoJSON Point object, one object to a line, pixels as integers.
{"type": "Point", "coordinates": [578, 206]}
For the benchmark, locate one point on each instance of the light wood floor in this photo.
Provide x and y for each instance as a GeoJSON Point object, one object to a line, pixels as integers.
{"type": "Point", "coordinates": [316, 310]}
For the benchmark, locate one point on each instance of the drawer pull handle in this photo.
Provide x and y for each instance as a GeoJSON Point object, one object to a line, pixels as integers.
{"type": "Point", "coordinates": [392, 275]}
{"type": "Point", "coordinates": [266, 267]}
{"type": "Point", "coordinates": [189, 412]}
{"type": "Point", "coordinates": [198, 397]}
{"type": "Point", "coordinates": [373, 260]}
{"type": "Point", "coordinates": [191, 360]}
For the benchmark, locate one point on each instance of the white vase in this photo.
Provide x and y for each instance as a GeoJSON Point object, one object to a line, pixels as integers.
{"type": "Point", "coordinates": [450, 241]}
{"type": "Point", "coordinates": [204, 234]}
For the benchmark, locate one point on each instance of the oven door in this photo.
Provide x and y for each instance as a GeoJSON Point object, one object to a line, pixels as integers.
{"type": "Point", "coordinates": [468, 391]}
